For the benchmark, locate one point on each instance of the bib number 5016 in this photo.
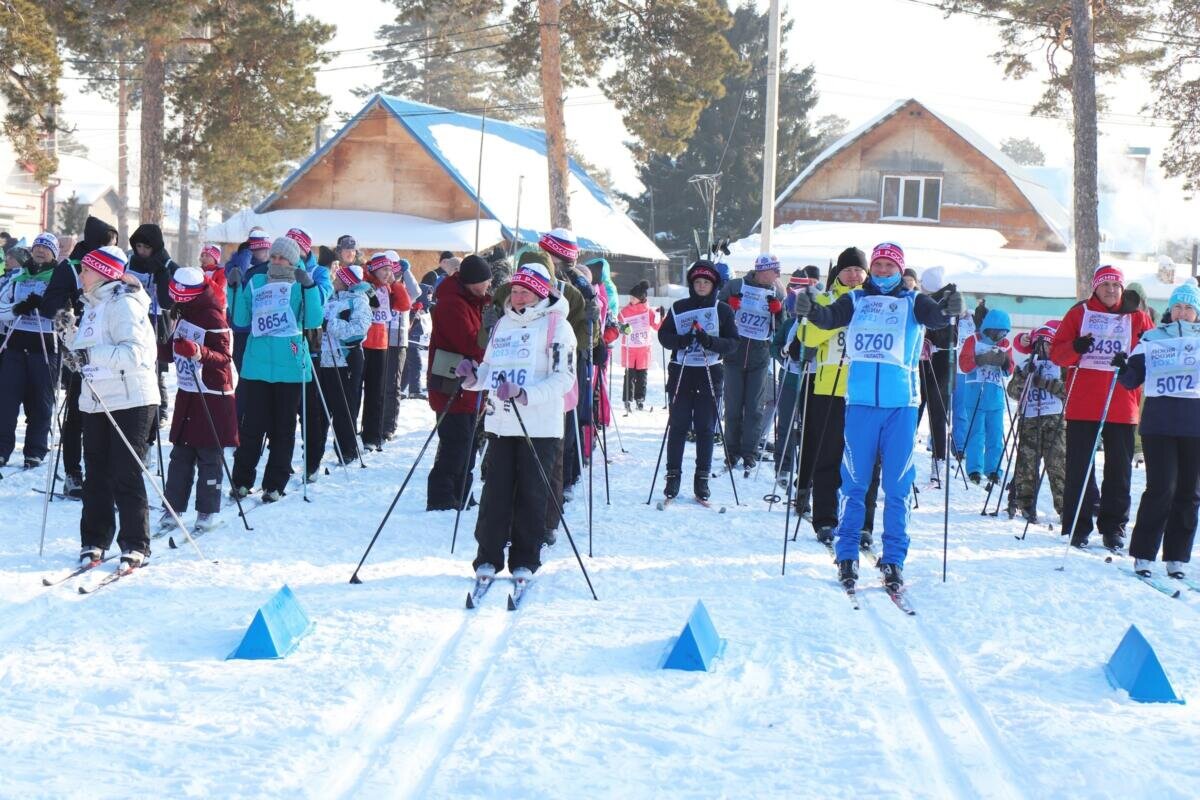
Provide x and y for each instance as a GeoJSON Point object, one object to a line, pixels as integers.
{"type": "Point", "coordinates": [516, 376]}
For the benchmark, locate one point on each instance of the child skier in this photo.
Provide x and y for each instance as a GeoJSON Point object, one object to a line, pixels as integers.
{"type": "Point", "coordinates": [276, 308]}
{"type": "Point", "coordinates": [397, 357]}
{"type": "Point", "coordinates": [1040, 428]}
{"type": "Point", "coordinates": [210, 265]}
{"type": "Point", "coordinates": [986, 360]}
{"type": "Point", "coordinates": [1165, 361]}
{"type": "Point", "coordinates": [527, 369]}
{"type": "Point", "coordinates": [347, 319]}
{"type": "Point", "coordinates": [387, 294]}
{"type": "Point", "coordinates": [637, 320]}
{"type": "Point", "coordinates": [202, 349]}
{"type": "Point", "coordinates": [699, 331]}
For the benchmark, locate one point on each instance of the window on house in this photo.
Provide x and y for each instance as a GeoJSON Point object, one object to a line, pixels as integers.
{"type": "Point", "coordinates": [907, 197]}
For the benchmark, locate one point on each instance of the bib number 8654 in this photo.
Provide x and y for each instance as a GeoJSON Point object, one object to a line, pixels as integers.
{"type": "Point", "coordinates": [270, 322]}
{"type": "Point", "coordinates": [873, 342]}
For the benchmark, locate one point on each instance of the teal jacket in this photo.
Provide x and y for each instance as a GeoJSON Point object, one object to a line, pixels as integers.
{"type": "Point", "coordinates": [278, 359]}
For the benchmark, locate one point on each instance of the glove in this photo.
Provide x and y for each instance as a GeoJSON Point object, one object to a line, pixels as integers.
{"type": "Point", "coordinates": [64, 322]}
{"type": "Point", "coordinates": [417, 306]}
{"type": "Point", "coordinates": [234, 277]}
{"type": "Point", "coordinates": [1029, 368]}
{"type": "Point", "coordinates": [626, 328]}
{"type": "Point", "coordinates": [1054, 386]}
{"type": "Point", "coordinates": [662, 312]}
{"type": "Point", "coordinates": [373, 300]}
{"type": "Point", "coordinates": [344, 315]}
{"type": "Point", "coordinates": [802, 303]}
{"type": "Point", "coordinates": [734, 301]}
{"type": "Point", "coordinates": [992, 358]}
{"type": "Point", "coordinates": [511, 391]}
{"type": "Point", "coordinates": [74, 360]}
{"type": "Point", "coordinates": [186, 348]}
{"type": "Point", "coordinates": [705, 340]}
{"type": "Point", "coordinates": [1083, 343]}
{"type": "Point", "coordinates": [774, 306]}
{"type": "Point", "coordinates": [793, 350]}
{"type": "Point", "coordinates": [465, 369]}
{"type": "Point", "coordinates": [686, 340]}
{"type": "Point", "coordinates": [1119, 360]}
{"type": "Point", "coordinates": [491, 315]}
{"type": "Point", "coordinates": [304, 279]}
{"type": "Point", "coordinates": [581, 283]}
{"type": "Point", "coordinates": [611, 333]}
{"type": "Point", "coordinates": [29, 304]}
{"type": "Point", "coordinates": [953, 305]}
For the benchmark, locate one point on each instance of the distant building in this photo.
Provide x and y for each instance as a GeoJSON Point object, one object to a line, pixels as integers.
{"type": "Point", "coordinates": [912, 166]}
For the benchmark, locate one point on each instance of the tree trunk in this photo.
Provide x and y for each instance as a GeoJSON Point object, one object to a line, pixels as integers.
{"type": "Point", "coordinates": [552, 100]}
{"type": "Point", "coordinates": [1083, 96]}
{"type": "Point", "coordinates": [122, 155]}
{"type": "Point", "coordinates": [184, 256]}
{"type": "Point", "coordinates": [150, 181]}
{"type": "Point", "coordinates": [52, 146]}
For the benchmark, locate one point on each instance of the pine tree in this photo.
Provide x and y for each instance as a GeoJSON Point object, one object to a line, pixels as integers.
{"type": "Point", "coordinates": [1176, 85]}
{"type": "Point", "coordinates": [72, 214]}
{"type": "Point", "coordinates": [728, 139]}
{"type": "Point", "coordinates": [1023, 151]}
{"type": "Point", "coordinates": [29, 71]}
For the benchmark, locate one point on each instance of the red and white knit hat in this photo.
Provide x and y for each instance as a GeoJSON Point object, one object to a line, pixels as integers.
{"type": "Point", "coordinates": [379, 261]}
{"type": "Point", "coordinates": [1107, 272]}
{"type": "Point", "coordinates": [186, 284]}
{"type": "Point", "coordinates": [349, 275]}
{"type": "Point", "coordinates": [1023, 342]}
{"type": "Point", "coordinates": [109, 261]}
{"type": "Point", "coordinates": [259, 240]}
{"type": "Point", "coordinates": [560, 242]}
{"type": "Point", "coordinates": [890, 251]}
{"type": "Point", "coordinates": [301, 237]}
{"type": "Point", "coordinates": [534, 277]}
{"type": "Point", "coordinates": [212, 251]}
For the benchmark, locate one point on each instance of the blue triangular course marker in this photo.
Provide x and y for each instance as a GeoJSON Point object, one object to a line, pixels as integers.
{"type": "Point", "coordinates": [1135, 668]}
{"type": "Point", "coordinates": [276, 630]}
{"type": "Point", "coordinates": [697, 645]}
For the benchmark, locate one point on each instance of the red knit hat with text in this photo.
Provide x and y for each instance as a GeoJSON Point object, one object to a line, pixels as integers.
{"type": "Point", "coordinates": [1107, 272]}
{"type": "Point", "coordinates": [258, 240]}
{"type": "Point", "coordinates": [560, 242]}
{"type": "Point", "coordinates": [349, 275]}
{"type": "Point", "coordinates": [301, 237]}
{"type": "Point", "coordinates": [890, 251]}
{"type": "Point", "coordinates": [186, 284]}
{"type": "Point", "coordinates": [379, 261]}
{"type": "Point", "coordinates": [109, 261]}
{"type": "Point", "coordinates": [534, 277]}
{"type": "Point", "coordinates": [213, 252]}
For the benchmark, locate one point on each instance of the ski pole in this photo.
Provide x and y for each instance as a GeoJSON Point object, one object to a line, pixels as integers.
{"type": "Point", "coordinates": [362, 448]}
{"type": "Point", "coordinates": [462, 484]}
{"type": "Point", "coordinates": [1087, 475]}
{"type": "Point", "coordinates": [212, 428]}
{"type": "Point", "coordinates": [949, 410]}
{"type": "Point", "coordinates": [1009, 456]}
{"type": "Point", "coordinates": [604, 451]}
{"type": "Point", "coordinates": [558, 506]}
{"type": "Point", "coordinates": [717, 415]}
{"type": "Point", "coordinates": [782, 455]}
{"type": "Point", "coordinates": [1004, 451]}
{"type": "Point", "coordinates": [967, 440]}
{"type": "Point", "coordinates": [1044, 458]}
{"type": "Point", "coordinates": [449, 405]}
{"type": "Point", "coordinates": [320, 391]}
{"type": "Point", "coordinates": [591, 399]}
{"type": "Point", "coordinates": [54, 472]}
{"type": "Point", "coordinates": [663, 445]}
{"type": "Point", "coordinates": [613, 418]}
{"type": "Point", "coordinates": [811, 481]}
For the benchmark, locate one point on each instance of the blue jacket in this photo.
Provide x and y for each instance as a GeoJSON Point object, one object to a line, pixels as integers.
{"type": "Point", "coordinates": [885, 385]}
{"type": "Point", "coordinates": [242, 261]}
{"type": "Point", "coordinates": [983, 394]}
{"type": "Point", "coordinates": [1163, 416]}
{"type": "Point", "coordinates": [320, 276]}
{"type": "Point", "coordinates": [278, 359]}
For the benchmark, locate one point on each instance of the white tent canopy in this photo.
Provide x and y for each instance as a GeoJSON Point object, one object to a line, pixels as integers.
{"type": "Point", "coordinates": [373, 230]}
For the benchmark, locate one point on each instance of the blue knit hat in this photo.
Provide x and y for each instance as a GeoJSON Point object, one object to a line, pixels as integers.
{"type": "Point", "coordinates": [1188, 293]}
{"type": "Point", "coordinates": [47, 240]}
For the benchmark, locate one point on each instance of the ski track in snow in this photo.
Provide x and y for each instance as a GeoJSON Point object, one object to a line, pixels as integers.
{"type": "Point", "coordinates": [994, 689]}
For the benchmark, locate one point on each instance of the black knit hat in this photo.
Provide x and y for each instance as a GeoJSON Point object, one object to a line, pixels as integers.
{"type": "Point", "coordinates": [474, 270]}
{"type": "Point", "coordinates": [704, 268]}
{"type": "Point", "coordinates": [640, 290]}
{"type": "Point", "coordinates": [850, 257]}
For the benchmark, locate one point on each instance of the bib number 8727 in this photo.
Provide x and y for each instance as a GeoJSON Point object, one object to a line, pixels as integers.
{"type": "Point", "coordinates": [516, 376]}
{"type": "Point", "coordinates": [873, 342]}
{"type": "Point", "coordinates": [1175, 383]}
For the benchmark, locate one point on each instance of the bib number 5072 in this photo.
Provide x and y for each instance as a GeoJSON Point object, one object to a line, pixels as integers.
{"type": "Point", "coordinates": [1175, 383]}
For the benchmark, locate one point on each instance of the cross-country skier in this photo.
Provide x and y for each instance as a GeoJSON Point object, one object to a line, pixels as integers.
{"type": "Point", "coordinates": [1091, 333]}
{"type": "Point", "coordinates": [639, 321]}
{"type": "Point", "coordinates": [380, 379]}
{"type": "Point", "coordinates": [885, 330]}
{"type": "Point", "coordinates": [202, 349]}
{"type": "Point", "coordinates": [699, 331]}
{"type": "Point", "coordinates": [1165, 361]}
{"type": "Point", "coordinates": [527, 370]}
{"type": "Point", "coordinates": [1040, 429]}
{"type": "Point", "coordinates": [397, 357]}
{"type": "Point", "coordinates": [986, 360]}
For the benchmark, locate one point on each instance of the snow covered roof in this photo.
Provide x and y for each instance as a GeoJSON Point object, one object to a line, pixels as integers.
{"type": "Point", "coordinates": [1042, 199]}
{"type": "Point", "coordinates": [373, 230]}
{"type": "Point", "coordinates": [85, 179]}
{"type": "Point", "coordinates": [510, 152]}
{"type": "Point", "coordinates": [975, 259]}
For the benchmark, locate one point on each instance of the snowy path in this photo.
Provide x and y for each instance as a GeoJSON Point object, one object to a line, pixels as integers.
{"type": "Point", "coordinates": [994, 689]}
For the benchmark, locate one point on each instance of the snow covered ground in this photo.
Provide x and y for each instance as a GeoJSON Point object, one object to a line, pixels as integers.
{"type": "Point", "coordinates": [994, 689]}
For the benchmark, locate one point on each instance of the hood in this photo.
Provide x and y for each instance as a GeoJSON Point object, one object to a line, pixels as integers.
{"type": "Point", "coordinates": [148, 234]}
{"type": "Point", "coordinates": [111, 289]}
{"type": "Point", "coordinates": [96, 233]}
{"type": "Point", "coordinates": [996, 318]}
{"type": "Point", "coordinates": [204, 310]}
{"type": "Point", "coordinates": [538, 310]}
{"type": "Point", "coordinates": [1172, 330]}
{"type": "Point", "coordinates": [605, 271]}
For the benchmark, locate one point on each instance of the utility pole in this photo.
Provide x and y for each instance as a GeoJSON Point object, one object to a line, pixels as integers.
{"type": "Point", "coordinates": [770, 135]}
{"type": "Point", "coordinates": [550, 38]}
{"type": "Point", "coordinates": [1083, 97]}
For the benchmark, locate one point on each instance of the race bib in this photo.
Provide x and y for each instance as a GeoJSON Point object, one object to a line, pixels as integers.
{"type": "Point", "coordinates": [876, 331]}
{"type": "Point", "coordinates": [1112, 334]}
{"type": "Point", "coordinates": [90, 330]}
{"type": "Point", "coordinates": [33, 323]}
{"type": "Point", "coordinates": [383, 314]}
{"type": "Point", "coordinates": [706, 318]}
{"type": "Point", "coordinates": [145, 279]}
{"type": "Point", "coordinates": [835, 348]}
{"type": "Point", "coordinates": [512, 357]}
{"type": "Point", "coordinates": [185, 369]}
{"type": "Point", "coordinates": [272, 311]}
{"type": "Point", "coordinates": [1173, 368]}
{"type": "Point", "coordinates": [639, 330]}
{"type": "Point", "coordinates": [753, 319]}
{"type": "Point", "coordinates": [1039, 402]}
{"type": "Point", "coordinates": [986, 373]}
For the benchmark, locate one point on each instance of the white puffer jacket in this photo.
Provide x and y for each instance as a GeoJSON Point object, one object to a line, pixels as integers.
{"type": "Point", "coordinates": [121, 348]}
{"type": "Point", "coordinates": [535, 349]}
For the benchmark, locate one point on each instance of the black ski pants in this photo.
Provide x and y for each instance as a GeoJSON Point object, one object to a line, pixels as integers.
{"type": "Point", "coordinates": [396, 356]}
{"type": "Point", "coordinates": [26, 381]}
{"type": "Point", "coordinates": [790, 409]}
{"type": "Point", "coordinates": [199, 464]}
{"type": "Point", "coordinates": [72, 426]}
{"type": "Point", "coordinates": [414, 368]}
{"type": "Point", "coordinates": [336, 384]}
{"type": "Point", "coordinates": [821, 462]}
{"type": "Point", "coordinates": [634, 388]}
{"type": "Point", "coordinates": [935, 398]}
{"type": "Point", "coordinates": [269, 417]}
{"type": "Point", "coordinates": [694, 407]}
{"type": "Point", "coordinates": [1167, 513]}
{"type": "Point", "coordinates": [1109, 505]}
{"type": "Point", "coordinates": [373, 388]}
{"type": "Point", "coordinates": [454, 457]}
{"type": "Point", "coordinates": [114, 477]}
{"type": "Point", "coordinates": [513, 505]}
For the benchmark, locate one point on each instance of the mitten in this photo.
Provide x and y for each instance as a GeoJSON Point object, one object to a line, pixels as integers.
{"type": "Point", "coordinates": [1082, 344]}
{"type": "Point", "coordinates": [186, 348]}
{"type": "Point", "coordinates": [774, 306]}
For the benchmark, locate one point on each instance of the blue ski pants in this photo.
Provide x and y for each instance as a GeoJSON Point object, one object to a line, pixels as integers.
{"type": "Point", "coordinates": [886, 433]}
{"type": "Point", "coordinates": [962, 412]}
{"type": "Point", "coordinates": [985, 445]}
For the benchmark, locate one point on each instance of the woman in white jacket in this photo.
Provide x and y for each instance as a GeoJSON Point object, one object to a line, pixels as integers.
{"type": "Point", "coordinates": [530, 362]}
{"type": "Point", "coordinates": [114, 349]}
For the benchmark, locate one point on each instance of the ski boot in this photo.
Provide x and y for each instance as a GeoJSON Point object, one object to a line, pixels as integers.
{"type": "Point", "coordinates": [32, 461]}
{"type": "Point", "coordinates": [273, 495]}
{"type": "Point", "coordinates": [825, 536]}
{"type": "Point", "coordinates": [935, 473]}
{"type": "Point", "coordinates": [1142, 567]}
{"type": "Point", "coordinates": [628, 408]}
{"type": "Point", "coordinates": [671, 489]}
{"type": "Point", "coordinates": [484, 572]}
{"type": "Point", "coordinates": [749, 462]}
{"type": "Point", "coordinates": [132, 559]}
{"type": "Point", "coordinates": [641, 406]}
{"type": "Point", "coordinates": [731, 463]}
{"type": "Point", "coordinates": [90, 556]}
{"type": "Point", "coordinates": [847, 573]}
{"type": "Point", "coordinates": [993, 479]}
{"type": "Point", "coordinates": [239, 492]}
{"type": "Point", "coordinates": [165, 522]}
{"type": "Point", "coordinates": [975, 478]}
{"type": "Point", "coordinates": [700, 484]}
{"type": "Point", "coordinates": [892, 577]}
{"type": "Point", "coordinates": [865, 540]}
{"type": "Point", "coordinates": [73, 486]}
{"type": "Point", "coordinates": [1175, 569]}
{"type": "Point", "coordinates": [1114, 540]}
{"type": "Point", "coordinates": [205, 522]}
{"type": "Point", "coordinates": [550, 537]}
{"type": "Point", "coordinates": [312, 476]}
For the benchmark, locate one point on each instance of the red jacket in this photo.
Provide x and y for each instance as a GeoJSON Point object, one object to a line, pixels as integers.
{"type": "Point", "coordinates": [457, 318]}
{"type": "Point", "coordinates": [637, 357]}
{"type": "Point", "coordinates": [377, 337]}
{"type": "Point", "coordinates": [966, 354]}
{"type": "Point", "coordinates": [1086, 401]}
{"type": "Point", "coordinates": [189, 424]}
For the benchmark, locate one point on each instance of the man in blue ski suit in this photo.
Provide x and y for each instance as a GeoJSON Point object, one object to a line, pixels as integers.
{"type": "Point", "coordinates": [986, 360]}
{"type": "Point", "coordinates": [885, 330]}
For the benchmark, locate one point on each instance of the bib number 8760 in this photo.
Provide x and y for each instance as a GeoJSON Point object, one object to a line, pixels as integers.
{"type": "Point", "coordinates": [1175, 383]}
{"type": "Point", "coordinates": [873, 342]}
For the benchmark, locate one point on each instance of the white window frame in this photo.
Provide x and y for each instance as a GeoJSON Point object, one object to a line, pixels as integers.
{"type": "Point", "coordinates": [920, 199]}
